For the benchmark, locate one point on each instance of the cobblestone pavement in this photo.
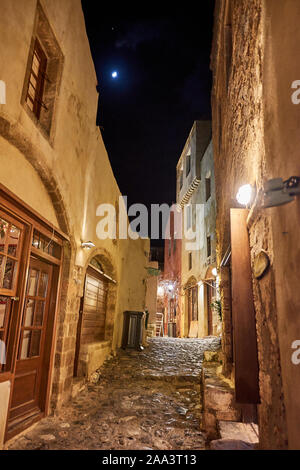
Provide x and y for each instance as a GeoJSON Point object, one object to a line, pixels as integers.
{"type": "Point", "coordinates": [142, 400]}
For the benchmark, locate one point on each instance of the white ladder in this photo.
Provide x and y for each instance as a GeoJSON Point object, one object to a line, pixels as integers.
{"type": "Point", "coordinates": [160, 324]}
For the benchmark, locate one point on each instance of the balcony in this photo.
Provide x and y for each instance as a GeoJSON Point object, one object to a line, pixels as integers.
{"type": "Point", "coordinates": [189, 165]}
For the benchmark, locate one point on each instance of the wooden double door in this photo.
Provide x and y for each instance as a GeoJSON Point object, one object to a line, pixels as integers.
{"type": "Point", "coordinates": [29, 278]}
{"type": "Point", "coordinates": [29, 387]}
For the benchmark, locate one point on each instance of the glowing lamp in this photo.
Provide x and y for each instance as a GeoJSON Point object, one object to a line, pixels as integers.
{"type": "Point", "coordinates": [214, 272]}
{"type": "Point", "coordinates": [245, 195]}
{"type": "Point", "coordinates": [87, 245]}
{"type": "Point", "coordinates": [160, 290]}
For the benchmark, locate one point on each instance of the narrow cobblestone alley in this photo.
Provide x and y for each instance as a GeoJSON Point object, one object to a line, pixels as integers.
{"type": "Point", "coordinates": [142, 401]}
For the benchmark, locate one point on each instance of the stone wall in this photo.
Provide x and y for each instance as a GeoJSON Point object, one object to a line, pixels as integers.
{"type": "Point", "coordinates": [238, 61]}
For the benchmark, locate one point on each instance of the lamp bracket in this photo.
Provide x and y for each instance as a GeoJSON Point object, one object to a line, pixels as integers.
{"type": "Point", "coordinates": [279, 192]}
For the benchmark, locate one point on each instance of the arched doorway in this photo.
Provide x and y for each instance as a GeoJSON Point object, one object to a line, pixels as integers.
{"type": "Point", "coordinates": [210, 296]}
{"type": "Point", "coordinates": [191, 301]}
{"type": "Point", "coordinates": [92, 341]}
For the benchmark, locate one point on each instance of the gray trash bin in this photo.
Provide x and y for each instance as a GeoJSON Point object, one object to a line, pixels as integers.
{"type": "Point", "coordinates": [133, 330]}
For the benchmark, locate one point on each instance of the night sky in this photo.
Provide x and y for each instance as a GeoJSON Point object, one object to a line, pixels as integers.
{"type": "Point", "coordinates": [162, 59]}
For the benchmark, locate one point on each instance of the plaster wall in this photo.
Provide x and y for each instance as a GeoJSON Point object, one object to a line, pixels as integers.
{"type": "Point", "coordinates": [66, 176]}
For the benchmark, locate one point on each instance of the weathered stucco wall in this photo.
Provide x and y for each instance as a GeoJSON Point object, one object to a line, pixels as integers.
{"type": "Point", "coordinates": [241, 149]}
{"type": "Point", "coordinates": [19, 177]}
{"type": "Point", "coordinates": [67, 176]}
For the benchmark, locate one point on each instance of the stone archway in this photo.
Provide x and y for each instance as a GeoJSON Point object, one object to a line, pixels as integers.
{"type": "Point", "coordinates": [91, 353]}
{"type": "Point", "coordinates": [105, 260]}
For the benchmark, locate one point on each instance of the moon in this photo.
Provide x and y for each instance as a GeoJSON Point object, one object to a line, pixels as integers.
{"type": "Point", "coordinates": [114, 74]}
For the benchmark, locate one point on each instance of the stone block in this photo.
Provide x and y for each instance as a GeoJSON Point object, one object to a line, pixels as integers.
{"type": "Point", "coordinates": [247, 432]}
{"type": "Point", "coordinates": [92, 356]}
{"type": "Point", "coordinates": [212, 356]}
{"type": "Point", "coordinates": [78, 386]}
{"type": "Point", "coordinates": [231, 444]}
{"type": "Point", "coordinates": [218, 400]}
{"type": "Point", "coordinates": [209, 424]}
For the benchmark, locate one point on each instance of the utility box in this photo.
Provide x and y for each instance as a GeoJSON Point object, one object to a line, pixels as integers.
{"type": "Point", "coordinates": [133, 330]}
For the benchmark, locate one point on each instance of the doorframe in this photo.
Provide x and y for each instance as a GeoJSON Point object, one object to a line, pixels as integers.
{"type": "Point", "coordinates": [210, 319]}
{"type": "Point", "coordinates": [246, 364]}
{"type": "Point", "coordinates": [32, 220]}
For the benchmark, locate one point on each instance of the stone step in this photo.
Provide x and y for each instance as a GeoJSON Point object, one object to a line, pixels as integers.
{"type": "Point", "coordinates": [218, 401]}
{"type": "Point", "coordinates": [212, 356]}
{"type": "Point", "coordinates": [231, 444]}
{"type": "Point", "coordinates": [78, 386]}
{"type": "Point", "coordinates": [236, 436]}
{"type": "Point", "coordinates": [247, 432]}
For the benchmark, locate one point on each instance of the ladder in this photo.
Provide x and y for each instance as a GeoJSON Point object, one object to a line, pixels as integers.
{"type": "Point", "coordinates": [159, 324]}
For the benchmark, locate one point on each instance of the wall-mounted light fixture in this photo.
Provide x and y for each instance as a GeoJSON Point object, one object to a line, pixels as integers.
{"type": "Point", "coordinates": [87, 245]}
{"type": "Point", "coordinates": [245, 195]}
{"type": "Point", "coordinates": [278, 192]}
{"type": "Point", "coordinates": [160, 290]}
{"type": "Point", "coordinates": [214, 272]}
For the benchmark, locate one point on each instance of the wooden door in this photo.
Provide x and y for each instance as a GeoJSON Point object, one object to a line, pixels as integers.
{"type": "Point", "coordinates": [27, 399]}
{"type": "Point", "coordinates": [190, 307]}
{"type": "Point", "coordinates": [94, 307]}
{"type": "Point", "coordinates": [12, 261]}
{"type": "Point", "coordinates": [92, 314]}
{"type": "Point", "coordinates": [209, 295]}
{"type": "Point", "coordinates": [243, 312]}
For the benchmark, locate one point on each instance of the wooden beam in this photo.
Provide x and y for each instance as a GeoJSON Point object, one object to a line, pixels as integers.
{"type": "Point", "coordinates": [243, 313]}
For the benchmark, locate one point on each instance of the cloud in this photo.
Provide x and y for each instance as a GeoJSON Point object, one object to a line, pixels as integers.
{"type": "Point", "coordinates": [138, 33]}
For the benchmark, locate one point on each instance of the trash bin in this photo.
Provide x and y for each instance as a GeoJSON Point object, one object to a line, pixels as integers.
{"type": "Point", "coordinates": [133, 330]}
{"type": "Point", "coordinates": [172, 330]}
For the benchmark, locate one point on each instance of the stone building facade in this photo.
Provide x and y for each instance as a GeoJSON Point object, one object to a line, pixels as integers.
{"type": "Point", "coordinates": [61, 307]}
{"type": "Point", "coordinates": [196, 196]}
{"type": "Point", "coordinates": [256, 138]}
